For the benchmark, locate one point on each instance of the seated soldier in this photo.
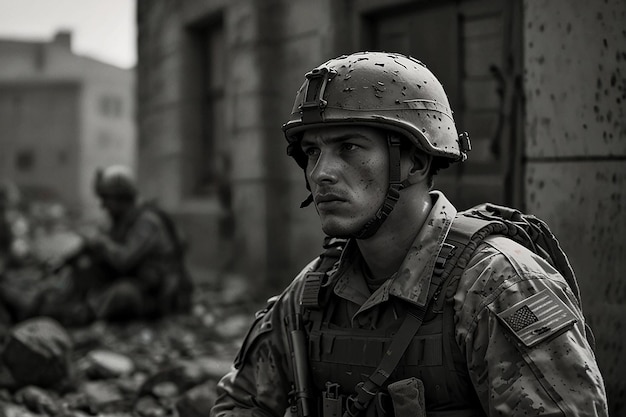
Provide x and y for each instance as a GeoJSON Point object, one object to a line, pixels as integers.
{"type": "Point", "coordinates": [133, 270]}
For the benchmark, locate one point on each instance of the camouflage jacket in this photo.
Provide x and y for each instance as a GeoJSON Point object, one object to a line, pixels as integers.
{"type": "Point", "coordinates": [554, 373]}
{"type": "Point", "coordinates": [140, 246]}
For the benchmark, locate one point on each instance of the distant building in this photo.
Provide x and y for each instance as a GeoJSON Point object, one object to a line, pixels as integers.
{"type": "Point", "coordinates": [61, 116]}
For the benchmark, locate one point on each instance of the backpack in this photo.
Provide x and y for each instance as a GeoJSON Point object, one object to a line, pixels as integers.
{"type": "Point", "coordinates": [177, 295]}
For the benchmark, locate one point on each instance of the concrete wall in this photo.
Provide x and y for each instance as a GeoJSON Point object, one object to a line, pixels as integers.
{"type": "Point", "coordinates": [270, 45]}
{"type": "Point", "coordinates": [165, 103]}
{"type": "Point", "coordinates": [575, 87]}
{"type": "Point", "coordinates": [274, 44]}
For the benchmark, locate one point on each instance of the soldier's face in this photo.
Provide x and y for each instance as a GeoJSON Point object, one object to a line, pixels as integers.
{"type": "Point", "coordinates": [348, 172]}
{"type": "Point", "coordinates": [115, 206]}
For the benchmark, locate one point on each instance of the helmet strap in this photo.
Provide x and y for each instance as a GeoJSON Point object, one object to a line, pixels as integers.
{"type": "Point", "coordinates": [393, 192]}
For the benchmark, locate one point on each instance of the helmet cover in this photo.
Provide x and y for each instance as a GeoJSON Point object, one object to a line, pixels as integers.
{"type": "Point", "coordinates": [115, 181]}
{"type": "Point", "coordinates": [378, 89]}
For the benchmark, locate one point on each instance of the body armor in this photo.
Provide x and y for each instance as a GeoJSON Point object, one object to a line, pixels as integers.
{"type": "Point", "coordinates": [342, 357]}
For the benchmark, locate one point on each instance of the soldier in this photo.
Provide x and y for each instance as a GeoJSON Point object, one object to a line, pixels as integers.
{"type": "Point", "coordinates": [379, 332]}
{"type": "Point", "coordinates": [135, 269]}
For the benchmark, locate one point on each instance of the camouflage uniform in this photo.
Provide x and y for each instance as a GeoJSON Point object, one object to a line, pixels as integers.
{"type": "Point", "coordinates": [142, 267]}
{"type": "Point", "coordinates": [134, 270]}
{"type": "Point", "coordinates": [473, 364]}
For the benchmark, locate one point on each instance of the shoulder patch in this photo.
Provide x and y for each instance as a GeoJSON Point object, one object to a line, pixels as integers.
{"type": "Point", "coordinates": [538, 317]}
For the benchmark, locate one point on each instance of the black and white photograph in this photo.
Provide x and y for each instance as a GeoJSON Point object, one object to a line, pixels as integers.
{"type": "Point", "coordinates": [312, 208]}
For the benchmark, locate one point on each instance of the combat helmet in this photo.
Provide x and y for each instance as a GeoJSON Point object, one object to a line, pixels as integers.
{"type": "Point", "coordinates": [383, 90]}
{"type": "Point", "coordinates": [115, 181]}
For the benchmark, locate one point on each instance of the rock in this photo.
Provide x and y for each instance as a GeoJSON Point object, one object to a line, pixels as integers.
{"type": "Point", "coordinates": [149, 407]}
{"type": "Point", "coordinates": [101, 393]}
{"type": "Point", "coordinates": [38, 400]}
{"type": "Point", "coordinates": [5, 395]}
{"type": "Point", "coordinates": [185, 374]}
{"type": "Point", "coordinates": [14, 410]}
{"type": "Point", "coordinates": [131, 384]}
{"type": "Point", "coordinates": [182, 376]}
{"type": "Point", "coordinates": [37, 352]}
{"type": "Point", "coordinates": [166, 389]}
{"type": "Point", "coordinates": [213, 368]}
{"type": "Point", "coordinates": [197, 402]}
{"type": "Point", "coordinates": [78, 401]}
{"type": "Point", "coordinates": [103, 364]}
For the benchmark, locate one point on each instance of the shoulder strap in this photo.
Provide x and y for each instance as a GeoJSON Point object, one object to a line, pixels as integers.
{"type": "Point", "coordinates": [465, 234]}
{"type": "Point", "coordinates": [170, 227]}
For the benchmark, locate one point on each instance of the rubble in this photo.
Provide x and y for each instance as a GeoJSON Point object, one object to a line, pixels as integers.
{"type": "Point", "coordinates": [158, 368]}
{"type": "Point", "coordinates": [168, 367]}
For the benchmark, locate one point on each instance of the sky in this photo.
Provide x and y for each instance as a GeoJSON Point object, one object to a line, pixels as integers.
{"type": "Point", "coordinates": [101, 29]}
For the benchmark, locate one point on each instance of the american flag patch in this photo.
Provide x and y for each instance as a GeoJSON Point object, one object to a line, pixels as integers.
{"type": "Point", "coordinates": [538, 317]}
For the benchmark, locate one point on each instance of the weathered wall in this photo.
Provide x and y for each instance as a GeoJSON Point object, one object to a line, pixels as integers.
{"type": "Point", "coordinates": [162, 109]}
{"type": "Point", "coordinates": [270, 45]}
{"type": "Point", "coordinates": [273, 44]}
{"type": "Point", "coordinates": [575, 87]}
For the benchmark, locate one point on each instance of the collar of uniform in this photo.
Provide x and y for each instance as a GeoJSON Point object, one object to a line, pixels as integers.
{"type": "Point", "coordinates": [412, 281]}
{"type": "Point", "coordinates": [349, 281]}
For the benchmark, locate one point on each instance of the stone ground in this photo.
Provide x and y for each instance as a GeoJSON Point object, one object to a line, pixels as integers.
{"type": "Point", "coordinates": [143, 368]}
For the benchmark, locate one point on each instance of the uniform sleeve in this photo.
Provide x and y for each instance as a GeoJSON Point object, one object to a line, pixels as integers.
{"type": "Point", "coordinates": [257, 385]}
{"type": "Point", "coordinates": [143, 238]}
{"type": "Point", "coordinates": [260, 380]}
{"type": "Point", "coordinates": [523, 334]}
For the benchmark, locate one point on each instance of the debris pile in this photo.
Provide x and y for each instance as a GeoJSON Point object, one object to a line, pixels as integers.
{"type": "Point", "coordinates": [158, 368]}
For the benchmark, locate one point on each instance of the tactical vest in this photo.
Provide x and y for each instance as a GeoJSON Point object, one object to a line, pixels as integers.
{"type": "Point", "coordinates": [341, 357]}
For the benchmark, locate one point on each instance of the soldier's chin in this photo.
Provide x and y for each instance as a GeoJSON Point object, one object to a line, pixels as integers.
{"type": "Point", "coordinates": [338, 231]}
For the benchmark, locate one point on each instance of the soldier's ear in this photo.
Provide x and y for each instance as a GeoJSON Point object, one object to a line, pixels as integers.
{"type": "Point", "coordinates": [420, 166]}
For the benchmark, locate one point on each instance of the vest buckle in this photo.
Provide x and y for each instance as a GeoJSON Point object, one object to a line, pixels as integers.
{"type": "Point", "coordinates": [332, 401]}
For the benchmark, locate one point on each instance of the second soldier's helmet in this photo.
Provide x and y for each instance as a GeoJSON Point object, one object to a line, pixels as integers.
{"type": "Point", "coordinates": [115, 181]}
{"type": "Point", "coordinates": [378, 89]}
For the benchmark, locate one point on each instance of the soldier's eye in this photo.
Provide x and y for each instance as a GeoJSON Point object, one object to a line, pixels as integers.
{"type": "Point", "coordinates": [310, 152]}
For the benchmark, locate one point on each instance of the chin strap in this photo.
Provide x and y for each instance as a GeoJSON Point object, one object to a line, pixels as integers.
{"type": "Point", "coordinates": [393, 192]}
{"type": "Point", "coordinates": [307, 201]}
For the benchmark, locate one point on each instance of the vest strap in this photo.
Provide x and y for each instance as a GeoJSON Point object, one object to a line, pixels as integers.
{"type": "Point", "coordinates": [366, 391]}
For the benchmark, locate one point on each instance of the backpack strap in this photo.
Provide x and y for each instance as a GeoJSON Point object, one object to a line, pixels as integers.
{"type": "Point", "coordinates": [464, 236]}
{"type": "Point", "coordinates": [170, 227]}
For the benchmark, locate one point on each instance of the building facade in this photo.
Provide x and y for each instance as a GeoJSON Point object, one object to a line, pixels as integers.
{"type": "Point", "coordinates": [61, 116]}
{"type": "Point", "coordinates": [539, 85]}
